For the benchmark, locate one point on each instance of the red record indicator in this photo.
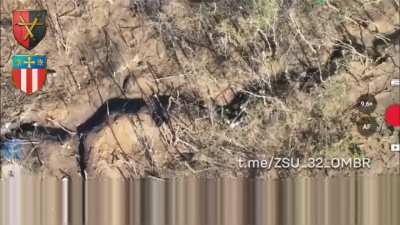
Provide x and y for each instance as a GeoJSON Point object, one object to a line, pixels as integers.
{"type": "Point", "coordinates": [393, 115]}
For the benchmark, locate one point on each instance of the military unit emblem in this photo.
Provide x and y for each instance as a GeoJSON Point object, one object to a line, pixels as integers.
{"type": "Point", "coordinates": [29, 71]}
{"type": "Point", "coordinates": [29, 27]}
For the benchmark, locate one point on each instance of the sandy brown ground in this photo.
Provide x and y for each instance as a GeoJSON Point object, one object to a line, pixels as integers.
{"type": "Point", "coordinates": [263, 63]}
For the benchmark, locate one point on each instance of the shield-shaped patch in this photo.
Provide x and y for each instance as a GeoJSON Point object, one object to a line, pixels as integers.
{"type": "Point", "coordinates": [29, 27]}
{"type": "Point", "coordinates": [29, 72]}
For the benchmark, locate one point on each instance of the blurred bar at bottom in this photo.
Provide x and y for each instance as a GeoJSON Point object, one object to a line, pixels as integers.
{"type": "Point", "coordinates": [201, 201]}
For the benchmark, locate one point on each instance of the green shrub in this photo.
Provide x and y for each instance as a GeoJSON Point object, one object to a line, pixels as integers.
{"type": "Point", "coordinates": [265, 12]}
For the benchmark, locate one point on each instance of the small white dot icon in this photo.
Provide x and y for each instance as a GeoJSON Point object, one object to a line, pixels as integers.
{"type": "Point", "coordinates": [395, 83]}
{"type": "Point", "coordinates": [395, 147]}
